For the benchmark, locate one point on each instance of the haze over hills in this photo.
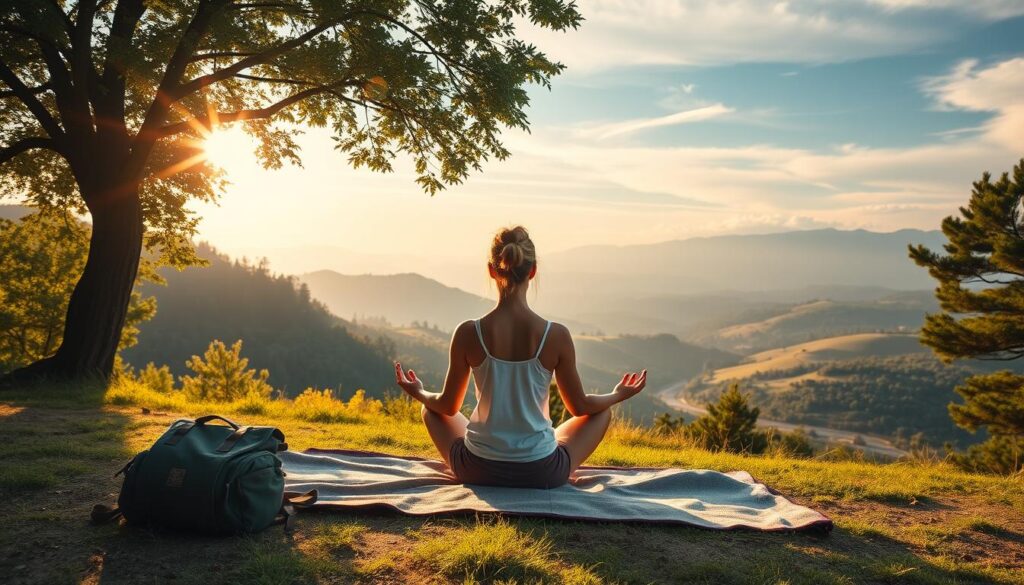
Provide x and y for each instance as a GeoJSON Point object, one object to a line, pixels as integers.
{"type": "Point", "coordinates": [399, 298]}
{"type": "Point", "coordinates": [788, 260]}
{"type": "Point", "coordinates": [14, 211]}
{"type": "Point", "coordinates": [402, 299]}
{"type": "Point", "coordinates": [822, 319]}
{"type": "Point", "coordinates": [282, 329]}
{"type": "Point", "coordinates": [774, 290]}
{"type": "Point", "coordinates": [693, 287]}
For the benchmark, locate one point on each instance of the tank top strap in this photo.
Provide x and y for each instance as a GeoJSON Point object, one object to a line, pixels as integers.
{"type": "Point", "coordinates": [480, 336]}
{"type": "Point", "coordinates": [543, 339]}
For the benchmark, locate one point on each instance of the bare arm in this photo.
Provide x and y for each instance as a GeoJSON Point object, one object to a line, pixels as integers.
{"type": "Point", "coordinates": [570, 387]}
{"type": "Point", "coordinates": [449, 400]}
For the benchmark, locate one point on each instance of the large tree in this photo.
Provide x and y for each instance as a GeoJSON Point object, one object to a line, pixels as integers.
{"type": "Point", "coordinates": [106, 103]}
{"type": "Point", "coordinates": [981, 294]}
{"type": "Point", "coordinates": [41, 256]}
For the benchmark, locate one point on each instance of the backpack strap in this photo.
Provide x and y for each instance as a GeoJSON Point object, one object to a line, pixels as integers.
{"type": "Point", "coordinates": [293, 501]}
{"type": "Point", "coordinates": [102, 514]}
{"type": "Point", "coordinates": [232, 439]}
{"type": "Point", "coordinates": [188, 425]}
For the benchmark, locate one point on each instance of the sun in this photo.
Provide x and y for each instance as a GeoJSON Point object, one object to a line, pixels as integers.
{"type": "Point", "coordinates": [228, 148]}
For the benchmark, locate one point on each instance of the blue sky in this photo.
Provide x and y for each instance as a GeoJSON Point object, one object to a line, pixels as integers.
{"type": "Point", "coordinates": [678, 118]}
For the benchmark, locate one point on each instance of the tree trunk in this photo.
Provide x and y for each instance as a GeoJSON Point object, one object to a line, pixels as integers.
{"type": "Point", "coordinates": [99, 303]}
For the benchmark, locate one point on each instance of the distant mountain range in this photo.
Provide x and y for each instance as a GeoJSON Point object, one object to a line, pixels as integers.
{"type": "Point", "coordinates": [402, 299]}
{"type": "Point", "coordinates": [399, 298]}
{"type": "Point", "coordinates": [14, 211]}
{"type": "Point", "coordinates": [782, 261]}
{"type": "Point", "coordinates": [738, 293]}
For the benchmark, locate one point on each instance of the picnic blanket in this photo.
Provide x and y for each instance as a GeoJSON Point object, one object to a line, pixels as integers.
{"type": "Point", "coordinates": [415, 486]}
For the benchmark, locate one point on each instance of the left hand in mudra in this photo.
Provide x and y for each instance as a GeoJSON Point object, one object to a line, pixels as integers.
{"type": "Point", "coordinates": [408, 381]}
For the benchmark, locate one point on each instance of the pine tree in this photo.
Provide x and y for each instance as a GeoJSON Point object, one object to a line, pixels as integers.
{"type": "Point", "coordinates": [222, 375]}
{"type": "Point", "coordinates": [666, 424]}
{"type": "Point", "coordinates": [981, 294]}
{"type": "Point", "coordinates": [730, 425]}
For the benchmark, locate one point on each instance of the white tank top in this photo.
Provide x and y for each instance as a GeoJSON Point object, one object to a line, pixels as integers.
{"type": "Point", "coordinates": [511, 420]}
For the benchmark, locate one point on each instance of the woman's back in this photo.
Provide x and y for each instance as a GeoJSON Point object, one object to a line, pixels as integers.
{"type": "Point", "coordinates": [512, 354]}
{"type": "Point", "coordinates": [511, 420]}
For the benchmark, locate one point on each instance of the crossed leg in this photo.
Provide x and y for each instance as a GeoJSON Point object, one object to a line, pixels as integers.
{"type": "Point", "coordinates": [444, 430]}
{"type": "Point", "coordinates": [582, 434]}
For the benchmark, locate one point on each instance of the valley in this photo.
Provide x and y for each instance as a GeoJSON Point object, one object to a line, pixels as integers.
{"type": "Point", "coordinates": [837, 357]}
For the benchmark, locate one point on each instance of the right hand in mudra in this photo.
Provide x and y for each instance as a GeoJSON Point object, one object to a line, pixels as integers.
{"type": "Point", "coordinates": [631, 385]}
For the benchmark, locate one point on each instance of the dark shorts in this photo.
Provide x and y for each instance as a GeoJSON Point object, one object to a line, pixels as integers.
{"type": "Point", "coordinates": [548, 472]}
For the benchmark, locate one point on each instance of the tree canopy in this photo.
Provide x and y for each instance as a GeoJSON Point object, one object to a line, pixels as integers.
{"type": "Point", "coordinates": [107, 103]}
{"type": "Point", "coordinates": [435, 81]}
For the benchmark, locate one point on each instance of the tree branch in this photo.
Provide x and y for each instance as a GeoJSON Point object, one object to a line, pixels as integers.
{"type": "Point", "coordinates": [34, 90]}
{"type": "Point", "coordinates": [251, 114]}
{"type": "Point", "coordinates": [110, 107]}
{"type": "Point", "coordinates": [26, 144]}
{"type": "Point", "coordinates": [24, 94]}
{"type": "Point", "coordinates": [257, 59]}
{"type": "Point", "coordinates": [218, 55]}
{"type": "Point", "coordinates": [157, 112]}
{"type": "Point", "coordinates": [81, 61]}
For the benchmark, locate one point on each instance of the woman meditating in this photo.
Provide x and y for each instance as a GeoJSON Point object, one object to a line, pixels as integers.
{"type": "Point", "coordinates": [512, 353]}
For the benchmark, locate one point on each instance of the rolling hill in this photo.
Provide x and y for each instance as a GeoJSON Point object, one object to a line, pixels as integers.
{"type": "Point", "coordinates": [823, 350]}
{"type": "Point", "coordinates": [401, 299]}
{"type": "Point", "coordinates": [823, 319]}
{"type": "Point", "coordinates": [282, 329]}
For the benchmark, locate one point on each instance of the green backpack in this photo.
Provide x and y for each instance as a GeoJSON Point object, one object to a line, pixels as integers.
{"type": "Point", "coordinates": [207, 478]}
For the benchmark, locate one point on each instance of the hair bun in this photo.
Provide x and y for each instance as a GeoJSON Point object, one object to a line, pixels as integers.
{"type": "Point", "coordinates": [512, 256]}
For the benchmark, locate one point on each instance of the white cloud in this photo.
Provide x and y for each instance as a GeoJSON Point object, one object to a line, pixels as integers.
{"type": "Point", "coordinates": [852, 186]}
{"type": "Point", "coordinates": [631, 32]}
{"type": "Point", "coordinates": [767, 223]}
{"type": "Point", "coordinates": [986, 9]}
{"type": "Point", "coordinates": [685, 117]}
{"type": "Point", "coordinates": [998, 88]}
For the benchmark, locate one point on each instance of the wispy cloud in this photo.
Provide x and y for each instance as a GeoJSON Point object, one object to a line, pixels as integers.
{"type": "Point", "coordinates": [685, 117]}
{"type": "Point", "coordinates": [997, 88]}
{"type": "Point", "coordinates": [697, 32]}
{"type": "Point", "coordinates": [987, 9]}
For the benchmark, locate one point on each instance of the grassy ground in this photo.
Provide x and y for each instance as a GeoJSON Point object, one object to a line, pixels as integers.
{"type": "Point", "coordinates": [900, 523]}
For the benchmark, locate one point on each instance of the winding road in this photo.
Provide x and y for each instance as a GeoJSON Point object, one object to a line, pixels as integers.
{"type": "Point", "coordinates": [872, 445]}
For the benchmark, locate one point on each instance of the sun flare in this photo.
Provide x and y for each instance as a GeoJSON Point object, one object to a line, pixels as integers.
{"type": "Point", "coordinates": [228, 148]}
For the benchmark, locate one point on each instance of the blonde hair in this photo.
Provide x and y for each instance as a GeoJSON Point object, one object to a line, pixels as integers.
{"type": "Point", "coordinates": [513, 256]}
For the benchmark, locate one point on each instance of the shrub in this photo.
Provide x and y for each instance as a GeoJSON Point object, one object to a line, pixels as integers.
{"type": "Point", "coordinates": [221, 375]}
{"type": "Point", "coordinates": [666, 424]}
{"type": "Point", "coordinates": [126, 391]}
{"type": "Point", "coordinates": [796, 443]}
{"type": "Point", "coordinates": [157, 379]}
{"type": "Point", "coordinates": [361, 405]}
{"type": "Point", "coordinates": [401, 407]}
{"type": "Point", "coordinates": [252, 404]}
{"type": "Point", "coordinates": [321, 406]}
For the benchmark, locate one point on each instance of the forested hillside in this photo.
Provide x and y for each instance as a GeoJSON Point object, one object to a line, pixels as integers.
{"type": "Point", "coordinates": [282, 328]}
{"type": "Point", "coordinates": [892, 396]}
{"type": "Point", "coordinates": [398, 298]}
